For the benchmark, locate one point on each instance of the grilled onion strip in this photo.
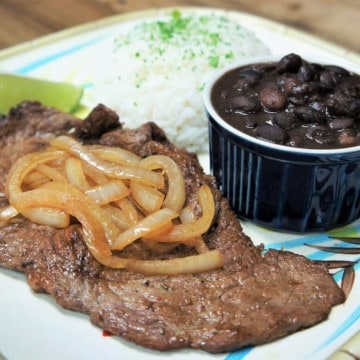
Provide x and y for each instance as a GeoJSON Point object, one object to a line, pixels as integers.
{"type": "Point", "coordinates": [188, 231]}
{"type": "Point", "coordinates": [176, 194]}
{"type": "Point", "coordinates": [7, 213]}
{"type": "Point", "coordinates": [115, 171]}
{"type": "Point", "coordinates": [115, 195]}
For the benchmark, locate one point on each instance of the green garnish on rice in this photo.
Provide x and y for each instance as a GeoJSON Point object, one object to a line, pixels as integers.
{"type": "Point", "coordinates": [160, 65]}
{"type": "Point", "coordinates": [206, 36]}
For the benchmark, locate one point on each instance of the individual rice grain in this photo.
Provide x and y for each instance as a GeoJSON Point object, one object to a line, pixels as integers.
{"type": "Point", "coordinates": [159, 68]}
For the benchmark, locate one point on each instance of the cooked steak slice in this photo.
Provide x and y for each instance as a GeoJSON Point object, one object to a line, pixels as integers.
{"type": "Point", "coordinates": [255, 298]}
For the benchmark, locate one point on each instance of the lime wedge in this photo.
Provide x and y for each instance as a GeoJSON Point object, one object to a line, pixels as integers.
{"type": "Point", "coordinates": [15, 89]}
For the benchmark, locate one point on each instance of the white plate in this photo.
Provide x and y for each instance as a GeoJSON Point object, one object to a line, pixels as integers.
{"type": "Point", "coordinates": [33, 326]}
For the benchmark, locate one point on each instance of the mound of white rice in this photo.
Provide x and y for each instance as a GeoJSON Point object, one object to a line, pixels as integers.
{"type": "Point", "coordinates": [159, 68]}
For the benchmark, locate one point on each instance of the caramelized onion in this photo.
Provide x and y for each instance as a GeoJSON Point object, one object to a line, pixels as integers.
{"type": "Point", "coordinates": [110, 169]}
{"type": "Point", "coordinates": [111, 191]}
{"type": "Point", "coordinates": [75, 174]}
{"type": "Point", "coordinates": [155, 234]}
{"type": "Point", "coordinates": [176, 195]}
{"type": "Point", "coordinates": [8, 212]}
{"type": "Point", "coordinates": [47, 216]}
{"type": "Point", "coordinates": [184, 232]}
{"type": "Point", "coordinates": [95, 175]}
{"type": "Point", "coordinates": [115, 196]}
{"type": "Point", "coordinates": [34, 179]}
{"type": "Point", "coordinates": [143, 227]}
{"type": "Point", "coordinates": [187, 216]}
{"type": "Point", "coordinates": [68, 198]}
{"type": "Point", "coordinates": [118, 216]}
{"type": "Point", "coordinates": [21, 168]}
{"type": "Point", "coordinates": [186, 265]}
{"type": "Point", "coordinates": [148, 198]}
{"type": "Point", "coordinates": [115, 154]}
{"type": "Point", "coordinates": [129, 210]}
{"type": "Point", "coordinates": [50, 172]}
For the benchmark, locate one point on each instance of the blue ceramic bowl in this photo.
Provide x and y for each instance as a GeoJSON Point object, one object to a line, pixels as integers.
{"type": "Point", "coordinates": [281, 187]}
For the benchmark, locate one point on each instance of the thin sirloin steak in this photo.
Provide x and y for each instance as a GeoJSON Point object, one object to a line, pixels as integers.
{"type": "Point", "coordinates": [255, 298]}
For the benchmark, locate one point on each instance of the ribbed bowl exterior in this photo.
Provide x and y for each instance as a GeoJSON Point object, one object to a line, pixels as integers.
{"type": "Point", "coordinates": [283, 190]}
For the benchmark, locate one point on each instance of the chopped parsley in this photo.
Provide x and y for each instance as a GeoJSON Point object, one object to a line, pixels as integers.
{"type": "Point", "coordinates": [184, 42]}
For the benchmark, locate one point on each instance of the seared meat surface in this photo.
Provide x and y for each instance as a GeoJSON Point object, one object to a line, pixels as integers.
{"type": "Point", "coordinates": [255, 298]}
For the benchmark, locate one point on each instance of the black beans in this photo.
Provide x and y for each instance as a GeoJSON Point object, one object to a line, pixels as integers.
{"type": "Point", "coordinates": [285, 120]}
{"type": "Point", "coordinates": [272, 98]}
{"type": "Point", "coordinates": [309, 115]}
{"type": "Point", "coordinates": [341, 123]}
{"type": "Point", "coordinates": [289, 63]}
{"type": "Point", "coordinates": [246, 79]}
{"type": "Point", "coordinates": [328, 80]}
{"type": "Point", "coordinates": [271, 133]}
{"type": "Point", "coordinates": [288, 82]}
{"type": "Point", "coordinates": [322, 135]}
{"type": "Point", "coordinates": [292, 102]}
{"type": "Point", "coordinates": [245, 103]}
{"type": "Point", "coordinates": [337, 70]}
{"type": "Point", "coordinates": [306, 73]}
{"type": "Point", "coordinates": [341, 104]}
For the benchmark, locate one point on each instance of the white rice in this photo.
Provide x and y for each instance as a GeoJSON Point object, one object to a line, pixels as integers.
{"type": "Point", "coordinates": [159, 69]}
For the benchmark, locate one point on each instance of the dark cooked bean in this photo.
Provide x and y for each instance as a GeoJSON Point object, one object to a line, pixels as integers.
{"type": "Point", "coordinates": [272, 98]}
{"type": "Point", "coordinates": [271, 133]}
{"type": "Point", "coordinates": [313, 128]}
{"type": "Point", "coordinates": [303, 89]}
{"type": "Point", "coordinates": [325, 137]}
{"type": "Point", "coordinates": [285, 121]}
{"type": "Point", "coordinates": [322, 135]}
{"type": "Point", "coordinates": [308, 115]}
{"type": "Point", "coordinates": [337, 70]}
{"type": "Point", "coordinates": [288, 82]}
{"type": "Point", "coordinates": [306, 72]}
{"type": "Point", "coordinates": [246, 79]}
{"type": "Point", "coordinates": [245, 103]}
{"type": "Point", "coordinates": [299, 101]}
{"type": "Point", "coordinates": [341, 123]}
{"type": "Point", "coordinates": [343, 105]}
{"type": "Point", "coordinates": [318, 105]}
{"type": "Point", "coordinates": [328, 80]}
{"type": "Point", "coordinates": [289, 63]}
{"type": "Point", "coordinates": [350, 88]}
{"type": "Point", "coordinates": [348, 137]}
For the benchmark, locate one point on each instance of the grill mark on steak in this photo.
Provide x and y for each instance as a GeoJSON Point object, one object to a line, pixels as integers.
{"type": "Point", "coordinates": [254, 299]}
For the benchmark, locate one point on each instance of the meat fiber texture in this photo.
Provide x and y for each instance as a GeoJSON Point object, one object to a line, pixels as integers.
{"type": "Point", "coordinates": [255, 298]}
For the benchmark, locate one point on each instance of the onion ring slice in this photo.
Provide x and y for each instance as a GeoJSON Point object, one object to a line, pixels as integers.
{"type": "Point", "coordinates": [150, 223]}
{"type": "Point", "coordinates": [68, 198]}
{"type": "Point", "coordinates": [184, 232]}
{"type": "Point", "coordinates": [110, 169]}
{"type": "Point", "coordinates": [176, 194]}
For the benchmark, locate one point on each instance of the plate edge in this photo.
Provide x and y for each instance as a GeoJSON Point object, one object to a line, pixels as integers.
{"type": "Point", "coordinates": [150, 12]}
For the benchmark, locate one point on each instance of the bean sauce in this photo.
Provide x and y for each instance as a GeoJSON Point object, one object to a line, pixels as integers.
{"type": "Point", "coordinates": [292, 102]}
